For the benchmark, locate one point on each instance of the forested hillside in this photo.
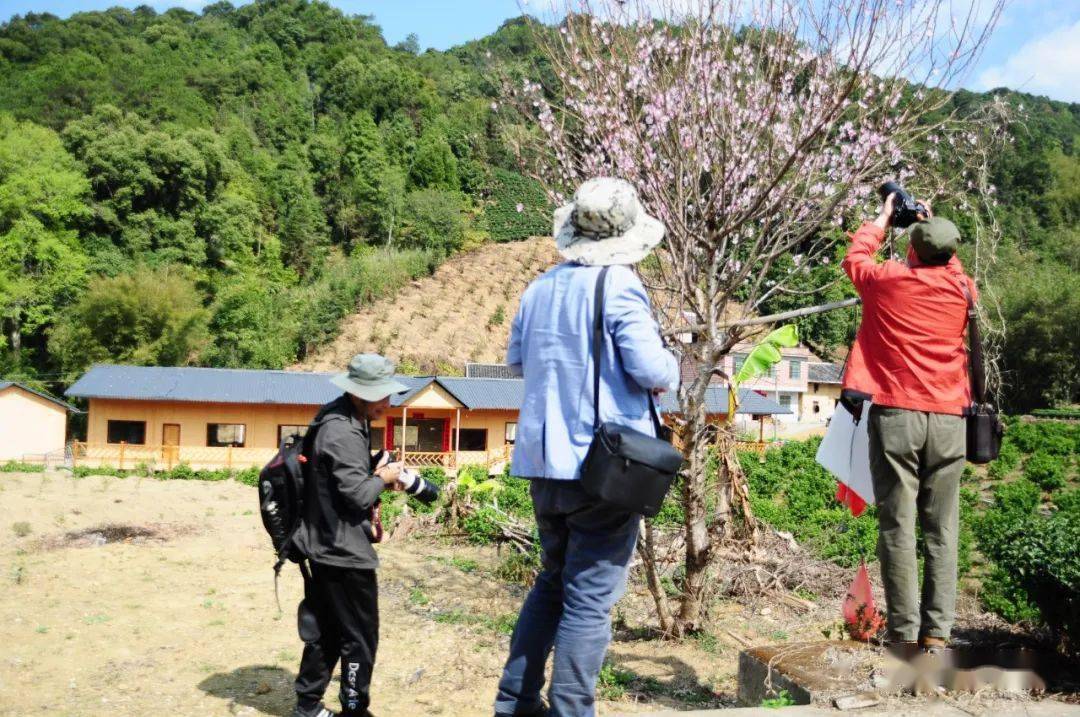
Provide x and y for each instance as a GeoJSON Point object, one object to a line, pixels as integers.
{"type": "Point", "coordinates": [223, 188]}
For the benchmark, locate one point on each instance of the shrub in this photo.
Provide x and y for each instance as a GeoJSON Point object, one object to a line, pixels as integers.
{"type": "Point", "coordinates": [1067, 413]}
{"type": "Point", "coordinates": [248, 476]}
{"type": "Point", "coordinates": [519, 568]}
{"type": "Point", "coordinates": [1035, 560]}
{"type": "Point", "coordinates": [1045, 470]}
{"type": "Point", "coordinates": [17, 467]}
{"type": "Point", "coordinates": [1054, 437]}
{"type": "Point", "coordinates": [434, 220]}
{"type": "Point", "coordinates": [791, 492]}
{"type": "Point", "coordinates": [1007, 460]}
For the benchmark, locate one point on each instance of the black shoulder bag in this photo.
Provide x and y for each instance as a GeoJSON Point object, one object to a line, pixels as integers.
{"type": "Point", "coordinates": [625, 468]}
{"type": "Point", "coordinates": [984, 429]}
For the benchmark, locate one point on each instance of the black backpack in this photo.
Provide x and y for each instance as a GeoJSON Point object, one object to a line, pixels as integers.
{"type": "Point", "coordinates": [281, 494]}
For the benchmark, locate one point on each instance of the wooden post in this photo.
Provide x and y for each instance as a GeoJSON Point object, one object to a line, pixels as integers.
{"type": "Point", "coordinates": [74, 454]}
{"type": "Point", "coordinates": [404, 430]}
{"type": "Point", "coordinates": [122, 444]}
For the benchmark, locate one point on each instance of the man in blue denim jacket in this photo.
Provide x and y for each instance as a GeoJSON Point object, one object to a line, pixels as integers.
{"type": "Point", "coordinates": [586, 546]}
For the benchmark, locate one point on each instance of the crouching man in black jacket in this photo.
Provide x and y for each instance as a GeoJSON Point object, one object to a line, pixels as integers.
{"type": "Point", "coordinates": [339, 616]}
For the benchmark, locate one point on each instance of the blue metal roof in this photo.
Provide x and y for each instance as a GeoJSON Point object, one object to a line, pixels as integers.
{"type": "Point", "coordinates": [490, 393]}
{"type": "Point", "coordinates": [217, 385]}
{"type": "Point", "coordinates": [204, 385]}
{"type": "Point", "coordinates": [41, 394]}
{"type": "Point", "coordinates": [716, 401]}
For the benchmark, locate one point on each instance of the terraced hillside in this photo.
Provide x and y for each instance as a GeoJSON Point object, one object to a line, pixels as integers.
{"type": "Point", "coordinates": [436, 324]}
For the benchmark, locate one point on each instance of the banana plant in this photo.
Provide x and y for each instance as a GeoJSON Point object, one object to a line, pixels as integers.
{"type": "Point", "coordinates": [761, 358]}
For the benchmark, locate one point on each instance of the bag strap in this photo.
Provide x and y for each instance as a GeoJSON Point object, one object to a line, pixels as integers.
{"type": "Point", "coordinates": [977, 369]}
{"type": "Point", "coordinates": [598, 351]}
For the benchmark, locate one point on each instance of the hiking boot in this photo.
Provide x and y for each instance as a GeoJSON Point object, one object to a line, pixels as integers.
{"type": "Point", "coordinates": [318, 711]}
{"type": "Point", "coordinates": [902, 649]}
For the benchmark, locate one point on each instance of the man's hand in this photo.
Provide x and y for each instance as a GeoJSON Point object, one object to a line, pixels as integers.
{"type": "Point", "coordinates": [390, 474]}
{"type": "Point", "coordinates": [884, 219]}
{"type": "Point", "coordinates": [929, 212]}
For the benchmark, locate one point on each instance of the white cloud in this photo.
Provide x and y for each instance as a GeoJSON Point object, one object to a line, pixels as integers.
{"type": "Point", "coordinates": [1048, 65]}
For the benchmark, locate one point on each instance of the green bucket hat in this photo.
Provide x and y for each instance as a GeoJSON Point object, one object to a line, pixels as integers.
{"type": "Point", "coordinates": [370, 377]}
{"type": "Point", "coordinates": [934, 240]}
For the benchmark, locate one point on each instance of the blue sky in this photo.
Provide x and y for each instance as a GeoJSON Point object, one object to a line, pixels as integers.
{"type": "Point", "coordinates": [1036, 47]}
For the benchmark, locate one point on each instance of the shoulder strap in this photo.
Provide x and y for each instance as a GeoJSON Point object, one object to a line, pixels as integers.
{"type": "Point", "coordinates": [598, 352]}
{"type": "Point", "coordinates": [977, 369]}
{"type": "Point", "coordinates": [598, 342]}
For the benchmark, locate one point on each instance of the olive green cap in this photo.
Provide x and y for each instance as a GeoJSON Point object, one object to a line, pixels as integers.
{"type": "Point", "coordinates": [934, 240]}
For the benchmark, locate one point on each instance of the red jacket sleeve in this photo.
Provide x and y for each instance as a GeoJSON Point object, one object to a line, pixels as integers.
{"type": "Point", "coordinates": [860, 264]}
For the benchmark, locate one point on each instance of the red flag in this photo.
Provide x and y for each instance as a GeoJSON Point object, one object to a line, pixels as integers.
{"type": "Point", "coordinates": [854, 502]}
{"type": "Point", "coordinates": [862, 618]}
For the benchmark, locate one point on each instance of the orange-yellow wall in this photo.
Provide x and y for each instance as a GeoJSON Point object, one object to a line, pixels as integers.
{"type": "Point", "coordinates": [262, 420]}
{"type": "Point", "coordinates": [29, 425]}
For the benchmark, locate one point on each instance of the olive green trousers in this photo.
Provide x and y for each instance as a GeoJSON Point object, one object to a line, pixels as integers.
{"type": "Point", "coordinates": [916, 461]}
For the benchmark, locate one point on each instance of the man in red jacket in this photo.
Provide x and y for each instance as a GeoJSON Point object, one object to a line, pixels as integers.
{"type": "Point", "coordinates": [909, 356]}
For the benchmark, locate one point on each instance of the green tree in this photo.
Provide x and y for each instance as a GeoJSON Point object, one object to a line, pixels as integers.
{"type": "Point", "coordinates": [434, 219]}
{"type": "Point", "coordinates": [434, 165]}
{"type": "Point", "coordinates": [373, 203]}
{"type": "Point", "coordinates": [301, 225]}
{"type": "Point", "coordinates": [42, 198]}
{"type": "Point", "coordinates": [1040, 303]}
{"type": "Point", "coordinates": [149, 317]}
{"type": "Point", "coordinates": [254, 325]}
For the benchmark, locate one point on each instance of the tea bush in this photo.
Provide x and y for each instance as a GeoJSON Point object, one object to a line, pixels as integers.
{"type": "Point", "coordinates": [1036, 566]}
{"type": "Point", "coordinates": [508, 191]}
{"type": "Point", "coordinates": [1045, 469]}
{"type": "Point", "coordinates": [791, 492]}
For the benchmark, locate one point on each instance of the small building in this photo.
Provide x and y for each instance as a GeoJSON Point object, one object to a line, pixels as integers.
{"type": "Point", "coordinates": [823, 391]}
{"type": "Point", "coordinates": [33, 424]}
{"type": "Point", "coordinates": [212, 418]}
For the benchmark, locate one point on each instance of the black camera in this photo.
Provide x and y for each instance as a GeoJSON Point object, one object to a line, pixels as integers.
{"type": "Point", "coordinates": [418, 487]}
{"type": "Point", "coordinates": [906, 210]}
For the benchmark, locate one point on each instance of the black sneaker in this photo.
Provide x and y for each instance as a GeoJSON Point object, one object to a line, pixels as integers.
{"type": "Point", "coordinates": [542, 711]}
{"type": "Point", "coordinates": [320, 711]}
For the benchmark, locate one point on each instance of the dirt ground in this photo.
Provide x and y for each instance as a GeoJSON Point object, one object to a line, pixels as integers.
{"type": "Point", "coordinates": [171, 611]}
{"type": "Point", "coordinates": [140, 596]}
{"type": "Point", "coordinates": [436, 324]}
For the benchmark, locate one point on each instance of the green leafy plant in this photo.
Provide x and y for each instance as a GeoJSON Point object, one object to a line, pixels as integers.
{"type": "Point", "coordinates": [614, 681]}
{"type": "Point", "coordinates": [783, 699]}
{"type": "Point", "coordinates": [1045, 470]}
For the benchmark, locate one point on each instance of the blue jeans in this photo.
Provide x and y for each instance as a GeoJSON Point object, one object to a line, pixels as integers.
{"type": "Point", "coordinates": [586, 548]}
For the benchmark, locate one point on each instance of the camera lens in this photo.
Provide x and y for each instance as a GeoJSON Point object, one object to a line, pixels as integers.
{"type": "Point", "coordinates": [423, 490]}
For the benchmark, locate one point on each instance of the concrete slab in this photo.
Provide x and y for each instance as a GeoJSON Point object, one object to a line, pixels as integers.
{"type": "Point", "coordinates": [813, 672]}
{"type": "Point", "coordinates": [914, 708]}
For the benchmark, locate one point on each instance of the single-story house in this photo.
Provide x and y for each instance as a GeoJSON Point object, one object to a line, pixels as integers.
{"type": "Point", "coordinates": [33, 424]}
{"type": "Point", "coordinates": [235, 417]}
{"type": "Point", "coordinates": [823, 391]}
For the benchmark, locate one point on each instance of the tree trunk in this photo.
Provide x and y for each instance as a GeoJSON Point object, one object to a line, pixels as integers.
{"type": "Point", "coordinates": [15, 336]}
{"type": "Point", "coordinates": [647, 550]}
{"type": "Point", "coordinates": [695, 525]}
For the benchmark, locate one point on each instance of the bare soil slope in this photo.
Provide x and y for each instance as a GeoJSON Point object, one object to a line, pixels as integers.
{"type": "Point", "coordinates": [459, 314]}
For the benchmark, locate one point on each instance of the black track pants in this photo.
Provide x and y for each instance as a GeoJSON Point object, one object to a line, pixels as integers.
{"type": "Point", "coordinates": [338, 620]}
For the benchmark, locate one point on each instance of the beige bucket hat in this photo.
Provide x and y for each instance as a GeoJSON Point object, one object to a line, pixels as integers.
{"type": "Point", "coordinates": [606, 224]}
